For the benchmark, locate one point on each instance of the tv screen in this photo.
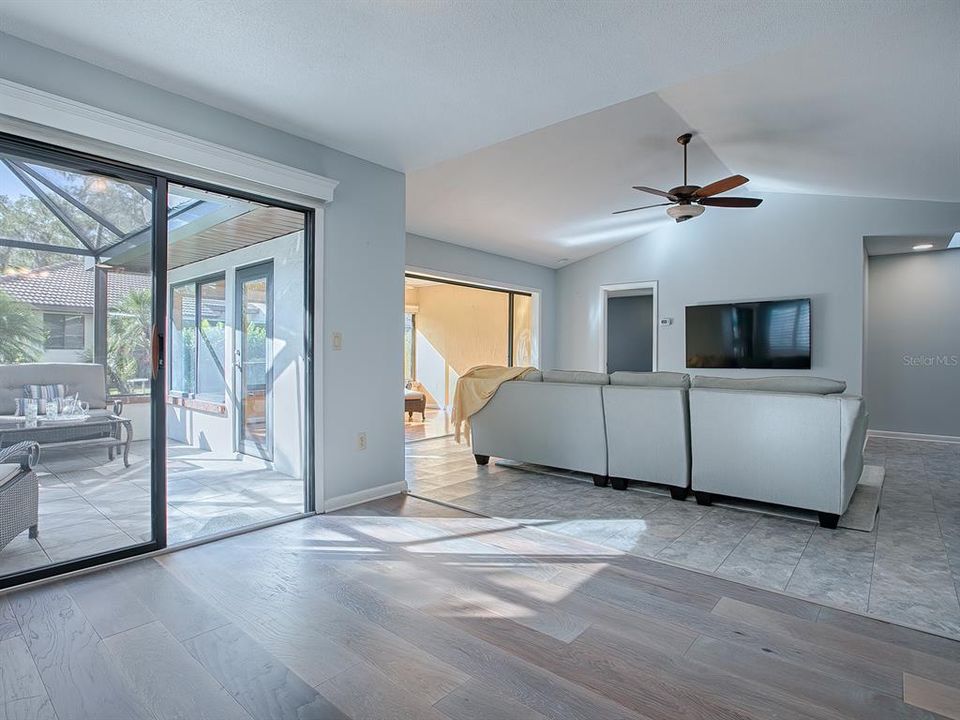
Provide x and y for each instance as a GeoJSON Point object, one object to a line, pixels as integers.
{"type": "Point", "coordinates": [773, 334]}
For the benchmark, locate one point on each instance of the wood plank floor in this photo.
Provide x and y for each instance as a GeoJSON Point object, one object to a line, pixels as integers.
{"type": "Point", "coordinates": [404, 609]}
{"type": "Point", "coordinates": [906, 570]}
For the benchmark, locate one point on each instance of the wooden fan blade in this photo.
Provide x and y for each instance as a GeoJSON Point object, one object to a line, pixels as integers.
{"type": "Point", "coordinates": [721, 186]}
{"type": "Point", "coordinates": [731, 202]}
{"type": "Point", "coordinates": [654, 191]}
{"type": "Point", "coordinates": [620, 212]}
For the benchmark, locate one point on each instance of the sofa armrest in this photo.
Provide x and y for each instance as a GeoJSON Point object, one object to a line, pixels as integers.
{"type": "Point", "coordinates": [853, 436]}
{"type": "Point", "coordinates": [27, 453]}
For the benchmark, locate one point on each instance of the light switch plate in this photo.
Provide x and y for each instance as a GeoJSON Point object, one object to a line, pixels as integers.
{"type": "Point", "coordinates": [338, 341]}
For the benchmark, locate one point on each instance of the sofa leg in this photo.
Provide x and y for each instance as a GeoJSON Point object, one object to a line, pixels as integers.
{"type": "Point", "coordinates": [829, 520]}
{"type": "Point", "coordinates": [619, 483]}
{"type": "Point", "coordinates": [33, 532]}
{"type": "Point", "coordinates": [481, 459]}
{"type": "Point", "coordinates": [703, 498]}
{"type": "Point", "coordinates": [601, 480]}
{"type": "Point", "coordinates": [679, 493]}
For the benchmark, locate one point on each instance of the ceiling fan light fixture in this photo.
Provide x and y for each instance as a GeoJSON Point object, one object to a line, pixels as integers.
{"type": "Point", "coordinates": [684, 212]}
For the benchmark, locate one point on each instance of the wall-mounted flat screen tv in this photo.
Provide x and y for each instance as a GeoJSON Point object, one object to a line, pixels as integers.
{"type": "Point", "coordinates": [772, 334]}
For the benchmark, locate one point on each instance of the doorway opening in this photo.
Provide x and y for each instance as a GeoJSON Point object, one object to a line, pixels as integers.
{"type": "Point", "coordinates": [628, 327]}
{"type": "Point", "coordinates": [235, 406]}
{"type": "Point", "coordinates": [450, 327]}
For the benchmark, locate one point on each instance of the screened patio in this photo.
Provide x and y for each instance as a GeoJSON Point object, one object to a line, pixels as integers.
{"type": "Point", "coordinates": [78, 286]}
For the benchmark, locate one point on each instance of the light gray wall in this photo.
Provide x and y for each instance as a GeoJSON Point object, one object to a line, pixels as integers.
{"type": "Point", "coordinates": [630, 333]}
{"type": "Point", "coordinates": [791, 246]}
{"type": "Point", "coordinates": [362, 265]}
{"type": "Point", "coordinates": [913, 343]}
{"type": "Point", "coordinates": [458, 261]}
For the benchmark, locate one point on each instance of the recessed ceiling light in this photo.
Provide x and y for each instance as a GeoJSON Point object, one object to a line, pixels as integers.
{"type": "Point", "coordinates": [923, 246]}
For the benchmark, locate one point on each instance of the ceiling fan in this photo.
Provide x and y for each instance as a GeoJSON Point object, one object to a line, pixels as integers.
{"type": "Point", "coordinates": [689, 201]}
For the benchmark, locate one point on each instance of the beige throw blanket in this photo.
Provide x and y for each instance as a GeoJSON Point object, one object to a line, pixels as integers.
{"type": "Point", "coordinates": [474, 390]}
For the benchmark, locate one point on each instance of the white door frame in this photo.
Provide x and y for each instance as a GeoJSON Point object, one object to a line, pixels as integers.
{"type": "Point", "coordinates": [624, 290]}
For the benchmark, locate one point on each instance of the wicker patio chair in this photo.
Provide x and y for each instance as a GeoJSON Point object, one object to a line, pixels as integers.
{"type": "Point", "coordinates": [19, 495]}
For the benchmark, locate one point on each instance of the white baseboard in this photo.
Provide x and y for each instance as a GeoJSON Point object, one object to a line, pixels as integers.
{"type": "Point", "coordinates": [894, 435]}
{"type": "Point", "coordinates": [361, 496]}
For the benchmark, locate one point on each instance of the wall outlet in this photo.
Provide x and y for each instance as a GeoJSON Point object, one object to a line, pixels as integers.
{"type": "Point", "coordinates": [361, 441]}
{"type": "Point", "coordinates": [338, 341]}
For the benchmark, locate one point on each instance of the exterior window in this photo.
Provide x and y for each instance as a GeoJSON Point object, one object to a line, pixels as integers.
{"type": "Point", "coordinates": [197, 333]}
{"type": "Point", "coordinates": [63, 332]}
{"type": "Point", "coordinates": [211, 334]}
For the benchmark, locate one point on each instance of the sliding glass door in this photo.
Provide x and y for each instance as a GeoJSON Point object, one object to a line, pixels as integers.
{"type": "Point", "coordinates": [155, 386]}
{"type": "Point", "coordinates": [237, 409]}
{"type": "Point", "coordinates": [449, 328]}
{"type": "Point", "coordinates": [79, 481]}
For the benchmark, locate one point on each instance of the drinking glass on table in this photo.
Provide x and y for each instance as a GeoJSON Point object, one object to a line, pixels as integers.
{"type": "Point", "coordinates": [30, 412]}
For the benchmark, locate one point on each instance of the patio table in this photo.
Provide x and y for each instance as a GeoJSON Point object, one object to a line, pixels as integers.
{"type": "Point", "coordinates": [110, 431]}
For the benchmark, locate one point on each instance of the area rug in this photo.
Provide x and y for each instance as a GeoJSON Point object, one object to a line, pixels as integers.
{"type": "Point", "coordinates": [861, 513]}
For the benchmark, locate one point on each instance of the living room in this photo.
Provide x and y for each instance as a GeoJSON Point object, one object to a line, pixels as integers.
{"type": "Point", "coordinates": [705, 255]}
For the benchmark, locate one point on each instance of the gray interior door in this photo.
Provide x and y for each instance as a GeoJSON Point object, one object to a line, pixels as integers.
{"type": "Point", "coordinates": [630, 333]}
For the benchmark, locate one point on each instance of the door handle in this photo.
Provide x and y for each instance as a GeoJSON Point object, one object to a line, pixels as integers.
{"type": "Point", "coordinates": [156, 351]}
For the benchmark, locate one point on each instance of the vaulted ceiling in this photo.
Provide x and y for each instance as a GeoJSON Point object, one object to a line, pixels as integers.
{"type": "Point", "coordinates": [522, 125]}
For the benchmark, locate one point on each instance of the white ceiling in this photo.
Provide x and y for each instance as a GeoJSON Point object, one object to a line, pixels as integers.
{"type": "Point", "coordinates": [408, 84]}
{"type": "Point", "coordinates": [873, 114]}
{"type": "Point", "coordinates": [549, 195]}
{"type": "Point", "coordinates": [522, 125]}
{"type": "Point", "coordinates": [901, 244]}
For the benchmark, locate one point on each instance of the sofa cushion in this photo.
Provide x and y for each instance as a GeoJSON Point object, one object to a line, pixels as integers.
{"type": "Point", "coordinates": [87, 379]}
{"type": "Point", "coordinates": [532, 376]}
{"type": "Point", "coordinates": [651, 379]}
{"type": "Point", "coordinates": [578, 377]}
{"type": "Point", "coordinates": [782, 383]}
{"type": "Point", "coordinates": [9, 472]}
{"type": "Point", "coordinates": [414, 394]}
{"type": "Point", "coordinates": [45, 392]}
{"type": "Point", "coordinates": [21, 405]}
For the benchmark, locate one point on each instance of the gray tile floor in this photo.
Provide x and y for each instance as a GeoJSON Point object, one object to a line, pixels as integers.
{"type": "Point", "coordinates": [907, 570]}
{"type": "Point", "coordinates": [89, 504]}
{"type": "Point", "coordinates": [432, 424]}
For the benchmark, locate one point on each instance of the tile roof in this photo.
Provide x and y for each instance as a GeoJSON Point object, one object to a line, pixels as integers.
{"type": "Point", "coordinates": [69, 285]}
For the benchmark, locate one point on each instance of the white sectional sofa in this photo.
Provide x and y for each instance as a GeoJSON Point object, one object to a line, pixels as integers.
{"type": "Point", "coordinates": [648, 430]}
{"type": "Point", "coordinates": [795, 441]}
{"type": "Point", "coordinates": [552, 418]}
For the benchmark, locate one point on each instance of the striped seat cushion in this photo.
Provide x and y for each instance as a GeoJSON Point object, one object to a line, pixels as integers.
{"type": "Point", "coordinates": [20, 409]}
{"type": "Point", "coordinates": [45, 392]}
